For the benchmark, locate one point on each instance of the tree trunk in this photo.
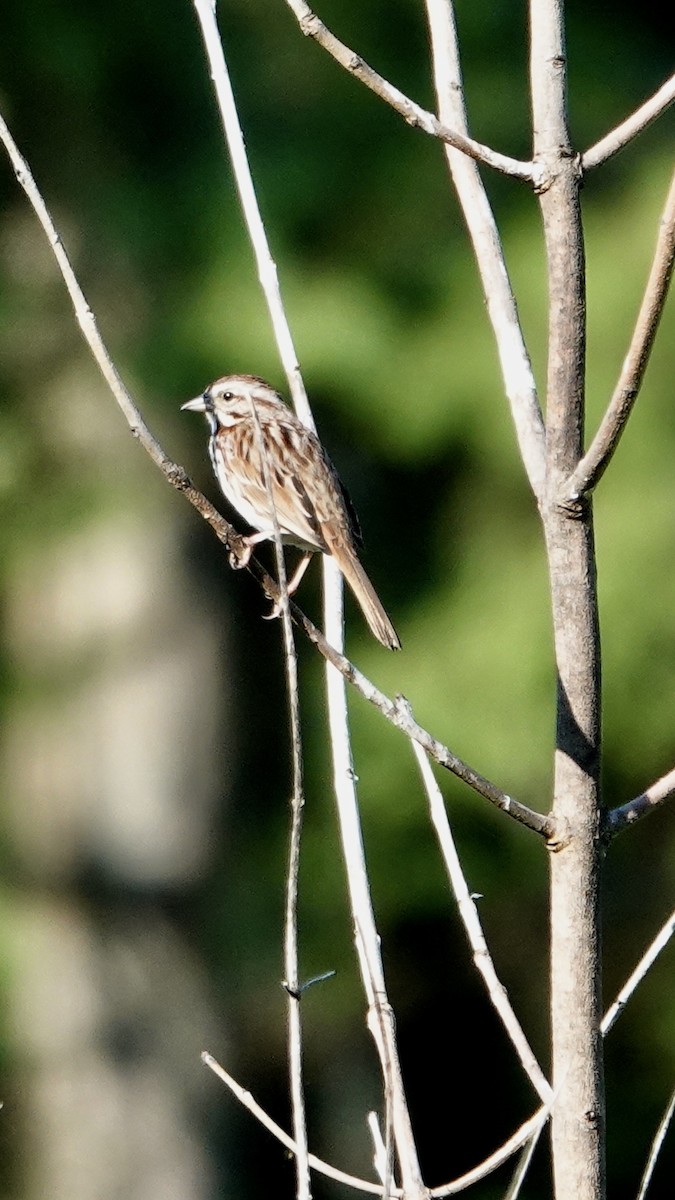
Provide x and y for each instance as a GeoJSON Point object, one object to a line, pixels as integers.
{"type": "Point", "coordinates": [578, 1113]}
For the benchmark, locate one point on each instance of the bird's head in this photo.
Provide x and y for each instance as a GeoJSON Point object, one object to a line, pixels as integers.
{"type": "Point", "coordinates": [229, 399]}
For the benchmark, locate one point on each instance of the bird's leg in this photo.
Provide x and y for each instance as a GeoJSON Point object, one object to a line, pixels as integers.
{"type": "Point", "coordinates": [238, 560]}
{"type": "Point", "coordinates": [292, 584]}
{"type": "Point", "coordinates": [299, 572]}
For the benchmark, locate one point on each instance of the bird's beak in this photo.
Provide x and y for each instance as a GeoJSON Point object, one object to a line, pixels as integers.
{"type": "Point", "coordinates": [196, 405]}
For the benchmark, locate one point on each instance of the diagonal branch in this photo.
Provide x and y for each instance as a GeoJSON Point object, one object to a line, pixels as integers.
{"type": "Point", "coordinates": [627, 814]}
{"type": "Point", "coordinates": [397, 712]}
{"type": "Point", "coordinates": [655, 1148]}
{"type": "Point", "coordinates": [251, 1105]}
{"type": "Point", "coordinates": [650, 955]}
{"type": "Point", "coordinates": [468, 912]}
{"type": "Point", "coordinates": [592, 466]}
{"type": "Point", "coordinates": [631, 127]}
{"type": "Point", "coordinates": [523, 1165]}
{"type": "Point", "coordinates": [173, 473]}
{"type": "Point", "coordinates": [312, 26]}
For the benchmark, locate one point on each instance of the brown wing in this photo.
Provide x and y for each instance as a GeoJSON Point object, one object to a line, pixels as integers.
{"type": "Point", "coordinates": [317, 488]}
{"type": "Point", "coordinates": [312, 506]}
{"type": "Point", "coordinates": [306, 490]}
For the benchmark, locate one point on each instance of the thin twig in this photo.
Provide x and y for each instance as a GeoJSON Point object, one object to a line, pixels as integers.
{"type": "Point", "coordinates": [468, 912]}
{"type": "Point", "coordinates": [627, 814]}
{"type": "Point", "coordinates": [267, 268]}
{"type": "Point", "coordinates": [366, 939]}
{"type": "Point", "coordinates": [291, 931]}
{"type": "Point", "coordinates": [251, 1105]}
{"type": "Point", "coordinates": [656, 1145]}
{"type": "Point", "coordinates": [530, 1128]}
{"type": "Point", "coordinates": [523, 1165]}
{"type": "Point", "coordinates": [592, 466]}
{"type": "Point", "coordinates": [650, 955]}
{"type": "Point", "coordinates": [313, 27]}
{"type": "Point", "coordinates": [383, 1159]}
{"type": "Point", "coordinates": [292, 981]}
{"type": "Point", "coordinates": [501, 306]}
{"type": "Point", "coordinates": [174, 474]}
{"type": "Point", "coordinates": [501, 1155]}
{"type": "Point", "coordinates": [631, 127]}
{"type": "Point", "coordinates": [398, 714]}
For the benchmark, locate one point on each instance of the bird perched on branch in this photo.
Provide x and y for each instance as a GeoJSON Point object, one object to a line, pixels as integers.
{"type": "Point", "coordinates": [257, 447]}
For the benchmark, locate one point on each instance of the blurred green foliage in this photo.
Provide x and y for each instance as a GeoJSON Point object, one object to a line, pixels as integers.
{"type": "Point", "coordinates": [113, 108]}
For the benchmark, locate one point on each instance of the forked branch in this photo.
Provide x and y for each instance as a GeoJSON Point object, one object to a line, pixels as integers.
{"type": "Point", "coordinates": [452, 1188]}
{"type": "Point", "coordinates": [515, 363]}
{"type": "Point", "coordinates": [527, 1132]}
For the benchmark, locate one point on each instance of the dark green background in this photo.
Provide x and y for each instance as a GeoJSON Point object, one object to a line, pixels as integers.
{"type": "Point", "coordinates": [113, 108]}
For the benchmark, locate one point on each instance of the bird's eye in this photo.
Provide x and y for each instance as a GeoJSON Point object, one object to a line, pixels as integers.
{"type": "Point", "coordinates": [228, 396]}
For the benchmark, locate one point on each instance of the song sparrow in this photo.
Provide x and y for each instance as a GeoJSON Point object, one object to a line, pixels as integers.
{"type": "Point", "coordinates": [312, 508]}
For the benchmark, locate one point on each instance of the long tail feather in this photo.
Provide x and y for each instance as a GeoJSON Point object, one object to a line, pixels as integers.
{"type": "Point", "coordinates": [365, 593]}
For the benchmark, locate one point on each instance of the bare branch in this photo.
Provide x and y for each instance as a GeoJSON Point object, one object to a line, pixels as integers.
{"type": "Point", "coordinates": [501, 1155]}
{"type": "Point", "coordinates": [382, 1154]}
{"type": "Point", "coordinates": [313, 27]}
{"type": "Point", "coordinates": [267, 268]}
{"type": "Point", "coordinates": [529, 1129]}
{"type": "Point", "coordinates": [523, 1165]}
{"type": "Point", "coordinates": [291, 982]}
{"type": "Point", "coordinates": [650, 955]}
{"type": "Point", "coordinates": [291, 952]}
{"type": "Point", "coordinates": [595, 461]}
{"type": "Point", "coordinates": [380, 1018]}
{"type": "Point", "coordinates": [627, 814]}
{"type": "Point", "coordinates": [172, 472]}
{"type": "Point", "coordinates": [246, 1099]}
{"type": "Point", "coordinates": [656, 1147]}
{"type": "Point", "coordinates": [398, 714]}
{"type": "Point", "coordinates": [474, 932]}
{"type": "Point", "coordinates": [514, 359]}
{"type": "Point", "coordinates": [631, 127]}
